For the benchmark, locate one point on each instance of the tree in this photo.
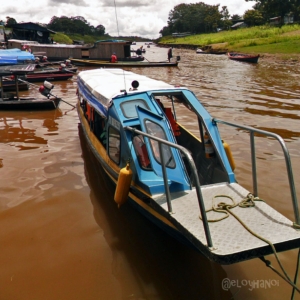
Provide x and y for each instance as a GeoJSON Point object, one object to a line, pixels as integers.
{"type": "Point", "coordinates": [225, 21]}
{"type": "Point", "coordinates": [253, 17]}
{"type": "Point", "coordinates": [76, 24]}
{"type": "Point", "coordinates": [195, 18]}
{"type": "Point", "coordinates": [274, 8]}
{"type": "Point", "coordinates": [100, 30]}
{"type": "Point", "coordinates": [236, 18]}
{"type": "Point", "coordinates": [165, 31]}
{"type": "Point", "coordinates": [10, 21]}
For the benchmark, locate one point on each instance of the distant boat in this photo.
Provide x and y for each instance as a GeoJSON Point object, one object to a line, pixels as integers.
{"type": "Point", "coordinates": [243, 57]}
{"type": "Point", "coordinates": [200, 51]}
{"type": "Point", "coordinates": [135, 50]}
{"type": "Point", "coordinates": [210, 51]}
{"type": "Point", "coordinates": [122, 64]}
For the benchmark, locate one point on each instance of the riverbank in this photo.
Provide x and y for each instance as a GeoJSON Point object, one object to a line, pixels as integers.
{"type": "Point", "coordinates": [279, 58]}
{"type": "Point", "coordinates": [272, 43]}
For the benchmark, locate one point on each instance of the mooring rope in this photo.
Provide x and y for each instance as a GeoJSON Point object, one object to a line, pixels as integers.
{"type": "Point", "coordinates": [247, 202]}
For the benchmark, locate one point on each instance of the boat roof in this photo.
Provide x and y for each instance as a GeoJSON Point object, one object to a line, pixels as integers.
{"type": "Point", "coordinates": [110, 83]}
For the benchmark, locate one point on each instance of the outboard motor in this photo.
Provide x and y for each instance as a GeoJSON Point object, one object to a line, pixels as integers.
{"type": "Point", "coordinates": [46, 88]}
{"type": "Point", "coordinates": [62, 67]}
{"type": "Point", "coordinates": [68, 62]}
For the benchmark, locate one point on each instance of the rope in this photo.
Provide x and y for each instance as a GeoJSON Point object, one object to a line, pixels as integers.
{"type": "Point", "coordinates": [247, 202]}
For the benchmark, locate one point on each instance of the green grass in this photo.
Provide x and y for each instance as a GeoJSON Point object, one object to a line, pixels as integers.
{"type": "Point", "coordinates": [261, 39]}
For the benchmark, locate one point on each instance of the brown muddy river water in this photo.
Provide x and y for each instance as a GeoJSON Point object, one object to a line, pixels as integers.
{"type": "Point", "coordinates": [63, 237]}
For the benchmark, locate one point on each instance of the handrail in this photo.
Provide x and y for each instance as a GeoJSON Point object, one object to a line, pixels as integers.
{"type": "Point", "coordinates": [253, 159]}
{"type": "Point", "coordinates": [191, 162]}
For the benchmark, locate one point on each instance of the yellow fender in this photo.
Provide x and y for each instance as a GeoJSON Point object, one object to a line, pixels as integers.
{"type": "Point", "coordinates": [229, 155]}
{"type": "Point", "coordinates": [123, 185]}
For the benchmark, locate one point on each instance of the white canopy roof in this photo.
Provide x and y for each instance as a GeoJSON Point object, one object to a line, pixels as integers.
{"type": "Point", "coordinates": [108, 83]}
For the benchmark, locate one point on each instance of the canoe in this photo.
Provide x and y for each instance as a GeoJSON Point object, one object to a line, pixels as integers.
{"type": "Point", "coordinates": [182, 181]}
{"type": "Point", "coordinates": [122, 64]}
{"type": "Point", "coordinates": [243, 57]}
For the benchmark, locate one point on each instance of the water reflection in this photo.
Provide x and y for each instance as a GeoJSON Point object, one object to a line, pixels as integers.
{"type": "Point", "coordinates": [143, 253]}
{"type": "Point", "coordinates": [15, 128]}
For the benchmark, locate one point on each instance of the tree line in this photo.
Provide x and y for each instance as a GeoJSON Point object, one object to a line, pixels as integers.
{"type": "Point", "coordinates": [200, 18]}
{"type": "Point", "coordinates": [72, 25]}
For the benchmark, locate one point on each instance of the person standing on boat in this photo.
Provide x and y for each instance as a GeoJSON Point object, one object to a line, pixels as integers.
{"type": "Point", "coordinates": [113, 58]}
{"type": "Point", "coordinates": [139, 51]}
{"type": "Point", "coordinates": [170, 55]}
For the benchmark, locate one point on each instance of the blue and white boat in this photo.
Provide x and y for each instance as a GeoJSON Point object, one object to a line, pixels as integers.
{"type": "Point", "coordinates": [15, 56]}
{"type": "Point", "coordinates": [183, 183]}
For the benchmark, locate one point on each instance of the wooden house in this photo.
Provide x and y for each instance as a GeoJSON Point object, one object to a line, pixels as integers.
{"type": "Point", "coordinates": [31, 32]}
{"type": "Point", "coordinates": [100, 50]}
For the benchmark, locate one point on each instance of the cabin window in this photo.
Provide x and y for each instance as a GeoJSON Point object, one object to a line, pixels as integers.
{"type": "Point", "coordinates": [114, 144]}
{"type": "Point", "coordinates": [129, 110]}
{"type": "Point", "coordinates": [157, 131]}
{"type": "Point", "coordinates": [141, 152]}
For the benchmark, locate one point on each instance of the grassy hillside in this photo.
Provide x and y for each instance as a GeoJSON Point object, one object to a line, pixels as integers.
{"type": "Point", "coordinates": [283, 40]}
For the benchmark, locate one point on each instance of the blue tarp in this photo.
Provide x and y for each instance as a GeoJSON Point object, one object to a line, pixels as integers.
{"type": "Point", "coordinates": [15, 56]}
{"type": "Point", "coordinates": [8, 60]}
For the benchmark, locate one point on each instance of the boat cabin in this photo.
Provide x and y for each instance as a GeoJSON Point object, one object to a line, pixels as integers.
{"type": "Point", "coordinates": [149, 106]}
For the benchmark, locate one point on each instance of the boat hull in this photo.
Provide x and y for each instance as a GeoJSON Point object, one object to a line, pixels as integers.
{"type": "Point", "coordinates": [30, 104]}
{"type": "Point", "coordinates": [243, 57]}
{"type": "Point", "coordinates": [9, 86]}
{"type": "Point", "coordinates": [39, 77]}
{"type": "Point", "coordinates": [122, 64]}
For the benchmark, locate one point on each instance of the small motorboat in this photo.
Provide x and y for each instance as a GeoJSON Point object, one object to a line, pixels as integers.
{"type": "Point", "coordinates": [49, 73]}
{"type": "Point", "coordinates": [13, 101]}
{"type": "Point", "coordinates": [184, 182]}
{"type": "Point", "coordinates": [251, 58]}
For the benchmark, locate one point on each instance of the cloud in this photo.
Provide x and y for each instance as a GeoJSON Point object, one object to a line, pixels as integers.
{"type": "Point", "coordinates": [72, 2]}
{"type": "Point", "coordinates": [119, 17]}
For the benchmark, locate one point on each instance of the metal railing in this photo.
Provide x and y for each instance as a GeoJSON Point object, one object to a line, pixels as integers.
{"type": "Point", "coordinates": [196, 182]}
{"type": "Point", "coordinates": [252, 131]}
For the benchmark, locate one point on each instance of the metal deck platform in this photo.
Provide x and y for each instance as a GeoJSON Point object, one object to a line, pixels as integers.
{"type": "Point", "coordinates": [231, 241]}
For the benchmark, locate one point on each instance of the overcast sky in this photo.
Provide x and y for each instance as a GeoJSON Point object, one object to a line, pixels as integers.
{"type": "Point", "coordinates": [119, 17]}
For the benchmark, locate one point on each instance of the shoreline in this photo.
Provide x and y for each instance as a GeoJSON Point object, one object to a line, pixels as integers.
{"type": "Point", "coordinates": [282, 58]}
